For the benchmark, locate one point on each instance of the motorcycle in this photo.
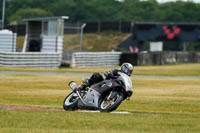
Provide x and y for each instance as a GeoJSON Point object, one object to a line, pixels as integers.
{"type": "Point", "coordinates": [104, 96]}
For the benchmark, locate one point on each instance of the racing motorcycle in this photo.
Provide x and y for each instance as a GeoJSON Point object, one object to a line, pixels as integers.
{"type": "Point", "coordinates": [104, 96]}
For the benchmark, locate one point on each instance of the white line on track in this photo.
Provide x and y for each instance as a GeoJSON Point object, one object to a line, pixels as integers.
{"type": "Point", "coordinates": [52, 109]}
{"type": "Point", "coordinates": [114, 112]}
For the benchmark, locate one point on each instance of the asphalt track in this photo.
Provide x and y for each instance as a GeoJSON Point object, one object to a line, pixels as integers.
{"type": "Point", "coordinates": [89, 74]}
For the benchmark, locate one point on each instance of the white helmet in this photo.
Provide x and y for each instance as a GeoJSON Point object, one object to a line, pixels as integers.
{"type": "Point", "coordinates": [127, 68]}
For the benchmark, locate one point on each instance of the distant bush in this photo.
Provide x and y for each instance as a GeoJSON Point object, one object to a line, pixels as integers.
{"type": "Point", "coordinates": [28, 13]}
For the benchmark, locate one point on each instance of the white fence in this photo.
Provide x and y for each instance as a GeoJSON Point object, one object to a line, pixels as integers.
{"type": "Point", "coordinates": [30, 59]}
{"type": "Point", "coordinates": [95, 59]}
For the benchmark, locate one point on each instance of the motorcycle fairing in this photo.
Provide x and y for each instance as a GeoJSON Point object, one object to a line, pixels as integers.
{"type": "Point", "coordinates": [91, 100]}
{"type": "Point", "coordinates": [105, 86]}
{"type": "Point", "coordinates": [92, 97]}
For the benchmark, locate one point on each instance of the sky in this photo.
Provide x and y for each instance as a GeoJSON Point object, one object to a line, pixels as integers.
{"type": "Point", "coordinates": [161, 1]}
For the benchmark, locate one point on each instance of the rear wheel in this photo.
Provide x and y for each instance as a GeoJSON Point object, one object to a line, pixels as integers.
{"type": "Point", "coordinates": [71, 101]}
{"type": "Point", "coordinates": [108, 105]}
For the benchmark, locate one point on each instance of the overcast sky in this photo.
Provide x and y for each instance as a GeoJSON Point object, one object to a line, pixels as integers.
{"type": "Point", "coordinates": [197, 1]}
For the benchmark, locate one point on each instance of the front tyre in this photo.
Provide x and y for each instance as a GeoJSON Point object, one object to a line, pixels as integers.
{"type": "Point", "coordinates": [71, 102]}
{"type": "Point", "coordinates": [108, 105]}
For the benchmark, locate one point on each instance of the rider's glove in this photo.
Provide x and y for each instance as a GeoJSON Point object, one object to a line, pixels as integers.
{"type": "Point", "coordinates": [107, 74]}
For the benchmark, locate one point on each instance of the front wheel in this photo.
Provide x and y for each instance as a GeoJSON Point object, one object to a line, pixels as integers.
{"type": "Point", "coordinates": [71, 101]}
{"type": "Point", "coordinates": [108, 105]}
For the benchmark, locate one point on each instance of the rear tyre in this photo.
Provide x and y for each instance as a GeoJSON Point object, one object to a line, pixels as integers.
{"type": "Point", "coordinates": [108, 105]}
{"type": "Point", "coordinates": [71, 102]}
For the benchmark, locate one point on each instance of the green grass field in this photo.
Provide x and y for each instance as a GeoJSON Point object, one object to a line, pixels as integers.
{"type": "Point", "coordinates": [158, 105]}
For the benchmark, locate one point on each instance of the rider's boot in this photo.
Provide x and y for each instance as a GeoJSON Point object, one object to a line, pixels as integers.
{"type": "Point", "coordinates": [85, 81]}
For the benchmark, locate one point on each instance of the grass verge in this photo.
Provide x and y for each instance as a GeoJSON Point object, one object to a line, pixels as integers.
{"type": "Point", "coordinates": [157, 105]}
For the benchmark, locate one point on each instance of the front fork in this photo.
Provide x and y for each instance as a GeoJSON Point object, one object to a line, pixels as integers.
{"type": "Point", "coordinates": [112, 95]}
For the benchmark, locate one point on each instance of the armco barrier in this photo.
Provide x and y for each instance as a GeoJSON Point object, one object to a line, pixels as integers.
{"type": "Point", "coordinates": [160, 58]}
{"type": "Point", "coordinates": [30, 59]}
{"type": "Point", "coordinates": [95, 59]}
{"type": "Point", "coordinates": [129, 57]}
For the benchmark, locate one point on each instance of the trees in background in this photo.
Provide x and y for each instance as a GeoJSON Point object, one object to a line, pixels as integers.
{"type": "Point", "coordinates": [103, 10]}
{"type": "Point", "coordinates": [28, 13]}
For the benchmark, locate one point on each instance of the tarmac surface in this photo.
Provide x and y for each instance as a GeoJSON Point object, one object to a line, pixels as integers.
{"type": "Point", "coordinates": [89, 74]}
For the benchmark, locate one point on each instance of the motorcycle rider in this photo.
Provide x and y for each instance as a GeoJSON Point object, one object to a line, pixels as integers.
{"type": "Point", "coordinates": [126, 68]}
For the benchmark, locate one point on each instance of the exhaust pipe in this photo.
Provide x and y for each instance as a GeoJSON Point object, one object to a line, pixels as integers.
{"type": "Point", "coordinates": [72, 85]}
